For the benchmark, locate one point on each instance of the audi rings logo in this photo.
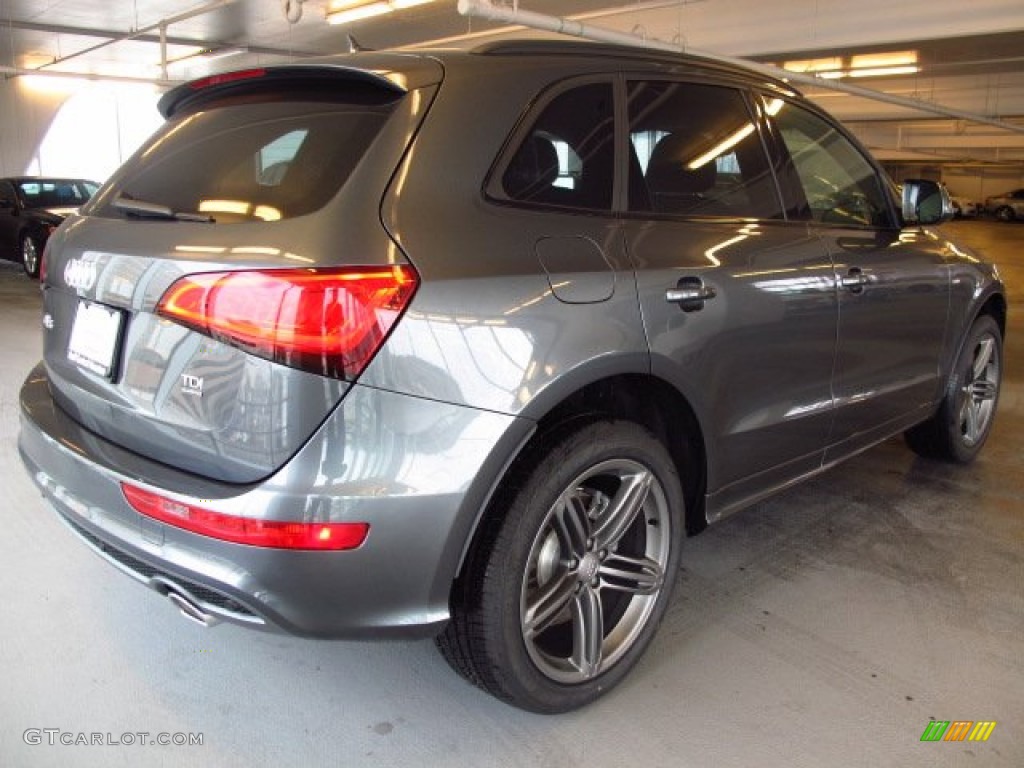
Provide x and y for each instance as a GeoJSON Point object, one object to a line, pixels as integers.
{"type": "Point", "coordinates": [81, 274]}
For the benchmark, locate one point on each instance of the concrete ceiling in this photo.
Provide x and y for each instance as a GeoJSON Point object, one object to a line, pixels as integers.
{"type": "Point", "coordinates": [970, 52]}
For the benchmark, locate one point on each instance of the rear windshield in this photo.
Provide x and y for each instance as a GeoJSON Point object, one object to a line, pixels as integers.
{"type": "Point", "coordinates": [245, 161]}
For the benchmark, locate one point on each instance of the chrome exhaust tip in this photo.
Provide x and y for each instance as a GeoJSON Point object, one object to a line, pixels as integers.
{"type": "Point", "coordinates": [186, 604]}
{"type": "Point", "coordinates": [190, 610]}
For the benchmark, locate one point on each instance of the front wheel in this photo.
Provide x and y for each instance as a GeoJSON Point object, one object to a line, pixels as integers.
{"type": "Point", "coordinates": [30, 253]}
{"type": "Point", "coordinates": [1005, 213]}
{"type": "Point", "coordinates": [960, 427]}
{"type": "Point", "coordinates": [574, 570]}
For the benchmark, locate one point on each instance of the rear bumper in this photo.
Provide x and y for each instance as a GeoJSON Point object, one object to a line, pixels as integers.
{"type": "Point", "coordinates": [416, 470]}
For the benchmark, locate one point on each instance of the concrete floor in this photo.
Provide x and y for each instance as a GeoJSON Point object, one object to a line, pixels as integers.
{"type": "Point", "coordinates": [822, 628]}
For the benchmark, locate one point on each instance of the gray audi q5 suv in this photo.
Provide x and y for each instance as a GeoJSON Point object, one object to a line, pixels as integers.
{"type": "Point", "coordinates": [464, 344]}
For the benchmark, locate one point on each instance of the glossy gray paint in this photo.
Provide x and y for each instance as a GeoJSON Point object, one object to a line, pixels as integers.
{"type": "Point", "coordinates": [518, 309]}
{"type": "Point", "coordinates": [756, 360]}
{"type": "Point", "coordinates": [404, 464]}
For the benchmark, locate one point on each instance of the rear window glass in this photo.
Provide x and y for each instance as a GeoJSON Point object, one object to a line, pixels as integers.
{"type": "Point", "coordinates": [245, 161]}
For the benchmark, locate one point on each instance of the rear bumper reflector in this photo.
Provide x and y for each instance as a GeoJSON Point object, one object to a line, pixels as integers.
{"type": "Point", "coordinates": [246, 530]}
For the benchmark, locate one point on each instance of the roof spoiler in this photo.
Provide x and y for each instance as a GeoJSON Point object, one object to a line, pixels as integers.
{"type": "Point", "coordinates": [245, 81]}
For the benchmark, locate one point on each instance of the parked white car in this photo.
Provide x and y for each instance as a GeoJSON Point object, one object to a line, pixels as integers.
{"type": "Point", "coordinates": [963, 208]}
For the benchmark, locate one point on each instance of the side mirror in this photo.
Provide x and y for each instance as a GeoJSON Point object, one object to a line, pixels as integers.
{"type": "Point", "coordinates": [926, 202]}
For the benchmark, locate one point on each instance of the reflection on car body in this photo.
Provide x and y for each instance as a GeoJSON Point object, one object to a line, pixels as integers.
{"type": "Point", "coordinates": [371, 368]}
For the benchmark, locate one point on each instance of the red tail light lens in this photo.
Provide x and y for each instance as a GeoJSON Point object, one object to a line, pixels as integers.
{"type": "Point", "coordinates": [244, 530]}
{"type": "Point", "coordinates": [328, 321]}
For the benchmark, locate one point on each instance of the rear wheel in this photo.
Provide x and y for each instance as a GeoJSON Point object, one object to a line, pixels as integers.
{"type": "Point", "coordinates": [960, 427]}
{"type": "Point", "coordinates": [568, 585]}
{"type": "Point", "coordinates": [30, 254]}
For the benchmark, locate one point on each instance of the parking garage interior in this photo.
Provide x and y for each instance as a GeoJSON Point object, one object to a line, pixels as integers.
{"type": "Point", "coordinates": [827, 625]}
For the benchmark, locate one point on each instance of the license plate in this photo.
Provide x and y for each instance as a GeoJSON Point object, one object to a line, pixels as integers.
{"type": "Point", "coordinates": [94, 338]}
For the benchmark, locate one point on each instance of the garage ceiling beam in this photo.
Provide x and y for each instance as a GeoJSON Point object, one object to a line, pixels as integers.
{"type": "Point", "coordinates": [114, 36]}
{"type": "Point", "coordinates": [487, 10]}
{"type": "Point", "coordinates": [161, 26]}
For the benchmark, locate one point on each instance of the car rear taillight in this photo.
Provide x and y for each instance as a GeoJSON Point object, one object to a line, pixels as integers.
{"type": "Point", "coordinates": [328, 321]}
{"type": "Point", "coordinates": [245, 530]}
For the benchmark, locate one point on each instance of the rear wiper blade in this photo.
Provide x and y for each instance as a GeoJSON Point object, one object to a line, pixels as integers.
{"type": "Point", "coordinates": [157, 211]}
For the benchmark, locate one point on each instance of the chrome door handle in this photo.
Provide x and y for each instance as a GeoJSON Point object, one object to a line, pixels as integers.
{"type": "Point", "coordinates": [854, 280]}
{"type": "Point", "coordinates": [690, 294]}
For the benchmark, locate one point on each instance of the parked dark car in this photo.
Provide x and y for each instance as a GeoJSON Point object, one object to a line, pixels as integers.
{"type": "Point", "coordinates": [463, 344]}
{"type": "Point", "coordinates": [30, 209]}
{"type": "Point", "coordinates": [1007, 206]}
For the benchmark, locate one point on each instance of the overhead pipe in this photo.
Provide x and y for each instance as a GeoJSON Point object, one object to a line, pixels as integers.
{"type": "Point", "coordinates": [292, 10]}
{"type": "Point", "coordinates": [636, 7]}
{"type": "Point", "coordinates": [17, 71]}
{"type": "Point", "coordinates": [160, 26]}
{"type": "Point", "coordinates": [485, 9]}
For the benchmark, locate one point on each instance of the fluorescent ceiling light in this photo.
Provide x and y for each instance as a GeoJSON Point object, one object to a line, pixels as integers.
{"type": "Point", "coordinates": [357, 13]}
{"type": "Point", "coordinates": [814, 65]}
{"type": "Point", "coordinates": [884, 71]}
{"type": "Point", "coordinates": [347, 11]}
{"type": "Point", "coordinates": [859, 65]}
{"type": "Point", "coordinates": [882, 60]}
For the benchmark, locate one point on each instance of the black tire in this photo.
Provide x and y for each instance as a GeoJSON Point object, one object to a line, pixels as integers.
{"type": "Point", "coordinates": [960, 427]}
{"type": "Point", "coordinates": [550, 566]}
{"type": "Point", "coordinates": [31, 252]}
{"type": "Point", "coordinates": [1005, 213]}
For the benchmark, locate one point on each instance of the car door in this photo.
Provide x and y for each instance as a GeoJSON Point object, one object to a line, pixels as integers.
{"type": "Point", "coordinates": [739, 304]}
{"type": "Point", "coordinates": [893, 283]}
{"type": "Point", "coordinates": [9, 220]}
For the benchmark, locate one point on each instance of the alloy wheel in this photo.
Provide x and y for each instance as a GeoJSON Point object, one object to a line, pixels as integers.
{"type": "Point", "coordinates": [30, 256]}
{"type": "Point", "coordinates": [980, 391]}
{"type": "Point", "coordinates": [594, 572]}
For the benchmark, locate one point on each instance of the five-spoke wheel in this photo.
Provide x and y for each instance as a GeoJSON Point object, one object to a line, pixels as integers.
{"type": "Point", "coordinates": [574, 568]}
{"type": "Point", "coordinates": [594, 571]}
{"type": "Point", "coordinates": [964, 419]}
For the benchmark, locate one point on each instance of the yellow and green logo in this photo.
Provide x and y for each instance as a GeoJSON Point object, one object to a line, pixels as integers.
{"type": "Point", "coordinates": [958, 730]}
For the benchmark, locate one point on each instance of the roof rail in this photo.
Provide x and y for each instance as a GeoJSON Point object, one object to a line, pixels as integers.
{"type": "Point", "coordinates": [528, 47]}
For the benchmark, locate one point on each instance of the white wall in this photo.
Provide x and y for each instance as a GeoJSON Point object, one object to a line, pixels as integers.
{"type": "Point", "coordinates": [25, 115]}
{"type": "Point", "coordinates": [80, 129]}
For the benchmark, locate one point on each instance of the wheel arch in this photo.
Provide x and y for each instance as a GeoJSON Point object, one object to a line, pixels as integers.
{"type": "Point", "coordinates": [641, 398]}
{"type": "Point", "coordinates": [995, 307]}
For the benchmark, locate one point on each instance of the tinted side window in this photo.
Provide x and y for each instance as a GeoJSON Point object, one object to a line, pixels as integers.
{"type": "Point", "coordinates": [568, 156]}
{"type": "Point", "coordinates": [695, 150]}
{"type": "Point", "coordinates": [840, 186]}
